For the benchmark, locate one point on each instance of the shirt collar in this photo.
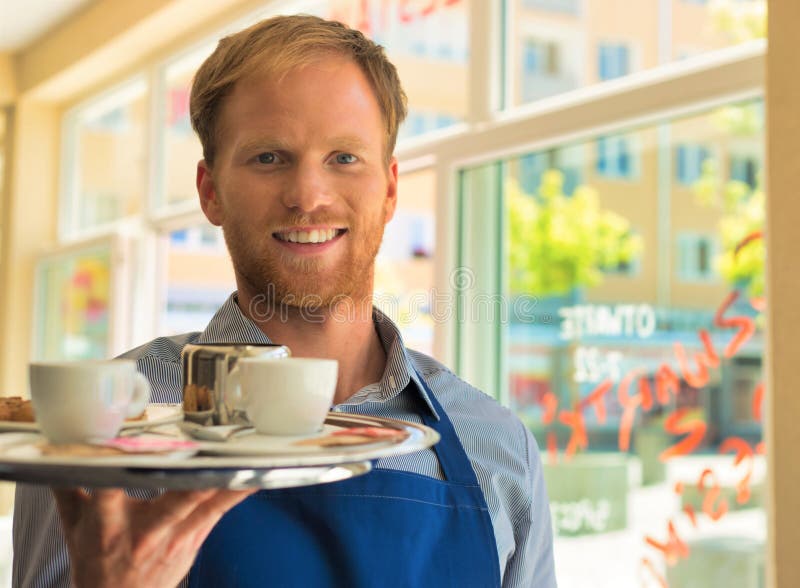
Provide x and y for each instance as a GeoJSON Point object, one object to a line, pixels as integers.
{"type": "Point", "coordinates": [229, 325]}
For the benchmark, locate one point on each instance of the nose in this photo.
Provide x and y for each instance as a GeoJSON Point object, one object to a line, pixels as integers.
{"type": "Point", "coordinates": [309, 187]}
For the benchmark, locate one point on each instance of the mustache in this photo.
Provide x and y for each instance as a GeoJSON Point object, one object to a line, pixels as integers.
{"type": "Point", "coordinates": [301, 219]}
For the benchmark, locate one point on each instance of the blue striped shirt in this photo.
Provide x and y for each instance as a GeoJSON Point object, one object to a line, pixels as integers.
{"type": "Point", "coordinates": [501, 449]}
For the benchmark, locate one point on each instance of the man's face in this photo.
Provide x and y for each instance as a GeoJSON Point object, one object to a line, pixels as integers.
{"type": "Point", "coordinates": [300, 184]}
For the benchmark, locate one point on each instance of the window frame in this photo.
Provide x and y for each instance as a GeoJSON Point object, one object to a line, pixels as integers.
{"type": "Point", "coordinates": [492, 130]}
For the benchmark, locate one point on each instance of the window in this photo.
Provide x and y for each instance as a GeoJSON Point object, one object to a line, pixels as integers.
{"type": "Point", "coordinates": [533, 166]}
{"type": "Point", "coordinates": [613, 61]}
{"type": "Point", "coordinates": [549, 63]}
{"type": "Point", "coordinates": [695, 257]}
{"type": "Point", "coordinates": [197, 277]}
{"type": "Point", "coordinates": [616, 158]}
{"type": "Point", "coordinates": [404, 272]}
{"type": "Point", "coordinates": [625, 267]}
{"type": "Point", "coordinates": [426, 41]}
{"type": "Point", "coordinates": [178, 147]}
{"type": "Point", "coordinates": [607, 40]}
{"type": "Point", "coordinates": [540, 59]}
{"type": "Point", "coordinates": [594, 290]}
{"type": "Point", "coordinates": [75, 303]}
{"type": "Point", "coordinates": [744, 169]}
{"type": "Point", "coordinates": [565, 6]}
{"type": "Point", "coordinates": [689, 160]}
{"type": "Point", "coordinates": [580, 352]}
{"type": "Point", "coordinates": [3, 144]}
{"type": "Point", "coordinates": [105, 146]}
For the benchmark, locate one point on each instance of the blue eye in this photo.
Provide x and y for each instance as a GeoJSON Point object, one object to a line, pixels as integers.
{"type": "Point", "coordinates": [345, 158]}
{"type": "Point", "coordinates": [266, 157]}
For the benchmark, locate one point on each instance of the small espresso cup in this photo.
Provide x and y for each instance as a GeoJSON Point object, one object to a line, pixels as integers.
{"type": "Point", "coordinates": [289, 396]}
{"type": "Point", "coordinates": [85, 401]}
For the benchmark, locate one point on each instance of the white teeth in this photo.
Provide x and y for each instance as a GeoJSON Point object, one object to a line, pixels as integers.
{"type": "Point", "coordinates": [313, 236]}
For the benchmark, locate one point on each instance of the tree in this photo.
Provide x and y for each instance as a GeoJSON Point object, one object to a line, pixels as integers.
{"type": "Point", "coordinates": [742, 260]}
{"type": "Point", "coordinates": [558, 243]}
{"type": "Point", "coordinates": [740, 21]}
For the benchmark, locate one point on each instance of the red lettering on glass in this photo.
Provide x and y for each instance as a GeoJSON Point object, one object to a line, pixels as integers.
{"type": "Point", "coordinates": [745, 324]}
{"type": "Point", "coordinates": [688, 510]}
{"type": "Point", "coordinates": [648, 565]}
{"type": "Point", "coordinates": [552, 447]}
{"type": "Point", "coordinates": [429, 9]}
{"type": "Point", "coordinates": [758, 399]}
{"type": "Point", "coordinates": [673, 548]}
{"type": "Point", "coordinates": [550, 403]}
{"type": "Point", "coordinates": [667, 382]}
{"type": "Point", "coordinates": [703, 361]}
{"type": "Point", "coordinates": [754, 236]}
{"type": "Point", "coordinates": [596, 399]}
{"type": "Point", "coordinates": [364, 24]}
{"type": "Point", "coordinates": [761, 448]}
{"type": "Point", "coordinates": [577, 439]}
{"type": "Point", "coordinates": [711, 495]}
{"type": "Point", "coordinates": [403, 12]}
{"type": "Point", "coordinates": [629, 404]}
{"type": "Point", "coordinates": [646, 394]}
{"type": "Point", "coordinates": [694, 427]}
{"type": "Point", "coordinates": [743, 452]}
{"type": "Point", "coordinates": [406, 14]}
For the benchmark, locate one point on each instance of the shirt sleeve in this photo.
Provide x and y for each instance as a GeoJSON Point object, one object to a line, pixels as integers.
{"type": "Point", "coordinates": [41, 558]}
{"type": "Point", "coordinates": [532, 564]}
{"type": "Point", "coordinates": [40, 554]}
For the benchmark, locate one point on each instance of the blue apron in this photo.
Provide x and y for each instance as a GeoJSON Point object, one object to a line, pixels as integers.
{"type": "Point", "coordinates": [386, 528]}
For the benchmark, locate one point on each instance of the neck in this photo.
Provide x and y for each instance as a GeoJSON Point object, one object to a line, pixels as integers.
{"type": "Point", "coordinates": [345, 334]}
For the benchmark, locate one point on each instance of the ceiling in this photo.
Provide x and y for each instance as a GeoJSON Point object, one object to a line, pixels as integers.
{"type": "Point", "coordinates": [23, 21]}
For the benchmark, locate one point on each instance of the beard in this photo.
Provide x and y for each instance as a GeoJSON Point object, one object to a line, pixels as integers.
{"type": "Point", "coordinates": [282, 279]}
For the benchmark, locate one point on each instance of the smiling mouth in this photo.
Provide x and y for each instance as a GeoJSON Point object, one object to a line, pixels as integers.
{"type": "Point", "coordinates": [315, 236]}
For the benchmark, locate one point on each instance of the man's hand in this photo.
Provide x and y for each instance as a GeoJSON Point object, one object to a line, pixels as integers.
{"type": "Point", "coordinates": [114, 540]}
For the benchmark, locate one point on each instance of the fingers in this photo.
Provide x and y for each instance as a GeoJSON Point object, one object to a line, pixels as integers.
{"type": "Point", "coordinates": [208, 513]}
{"type": "Point", "coordinates": [108, 502]}
{"type": "Point", "coordinates": [69, 502]}
{"type": "Point", "coordinates": [175, 506]}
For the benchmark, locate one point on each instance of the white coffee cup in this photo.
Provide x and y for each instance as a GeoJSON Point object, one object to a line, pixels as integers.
{"type": "Point", "coordinates": [288, 396]}
{"type": "Point", "coordinates": [85, 401]}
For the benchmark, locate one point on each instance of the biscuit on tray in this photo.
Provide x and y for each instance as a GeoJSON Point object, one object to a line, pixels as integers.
{"type": "Point", "coordinates": [14, 408]}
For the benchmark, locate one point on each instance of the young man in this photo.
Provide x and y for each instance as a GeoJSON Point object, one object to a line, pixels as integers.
{"type": "Point", "coordinates": [298, 119]}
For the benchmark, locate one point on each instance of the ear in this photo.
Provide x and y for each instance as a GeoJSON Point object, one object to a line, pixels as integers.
{"type": "Point", "coordinates": [391, 190]}
{"type": "Point", "coordinates": [209, 199]}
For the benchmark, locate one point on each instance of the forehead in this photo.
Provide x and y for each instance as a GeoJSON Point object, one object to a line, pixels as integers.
{"type": "Point", "coordinates": [327, 96]}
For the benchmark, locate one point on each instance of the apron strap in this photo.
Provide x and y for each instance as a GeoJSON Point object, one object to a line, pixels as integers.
{"type": "Point", "coordinates": [452, 458]}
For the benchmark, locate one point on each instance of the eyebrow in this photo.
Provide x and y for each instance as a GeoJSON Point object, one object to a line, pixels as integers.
{"type": "Point", "coordinates": [345, 142]}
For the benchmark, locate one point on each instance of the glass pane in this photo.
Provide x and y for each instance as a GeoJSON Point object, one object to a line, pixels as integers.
{"type": "Point", "coordinates": [554, 46]}
{"type": "Point", "coordinates": [637, 357]}
{"type": "Point", "coordinates": [107, 161]}
{"type": "Point", "coordinates": [426, 41]}
{"type": "Point", "coordinates": [198, 278]}
{"type": "Point", "coordinates": [404, 267]}
{"type": "Point", "coordinates": [180, 147]}
{"type": "Point", "coordinates": [73, 294]}
{"type": "Point", "coordinates": [3, 146]}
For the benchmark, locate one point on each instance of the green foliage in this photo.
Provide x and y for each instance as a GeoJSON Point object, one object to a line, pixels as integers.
{"type": "Point", "coordinates": [742, 216]}
{"type": "Point", "coordinates": [741, 21]}
{"type": "Point", "coordinates": [558, 242]}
